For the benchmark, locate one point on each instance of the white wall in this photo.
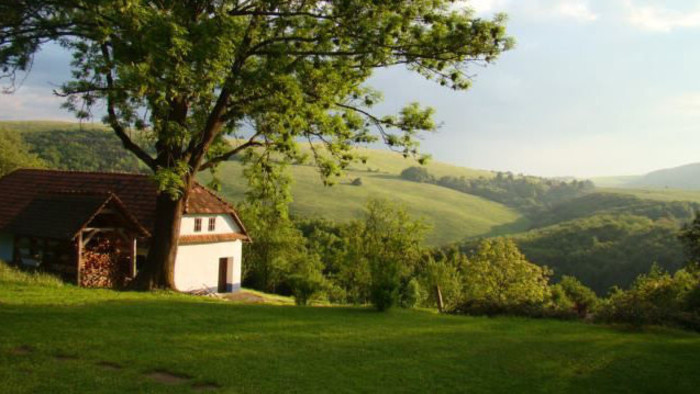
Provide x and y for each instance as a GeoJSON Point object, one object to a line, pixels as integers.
{"type": "Point", "coordinates": [197, 265]}
{"type": "Point", "coordinates": [6, 247]}
{"type": "Point", "coordinates": [224, 225]}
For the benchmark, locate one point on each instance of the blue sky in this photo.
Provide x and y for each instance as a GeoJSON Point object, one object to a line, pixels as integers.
{"type": "Point", "coordinates": [593, 87]}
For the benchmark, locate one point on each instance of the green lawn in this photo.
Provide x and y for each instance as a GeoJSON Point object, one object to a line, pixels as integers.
{"type": "Point", "coordinates": [453, 215]}
{"type": "Point", "coordinates": [58, 338]}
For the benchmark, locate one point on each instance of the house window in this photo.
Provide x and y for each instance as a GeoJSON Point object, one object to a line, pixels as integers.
{"type": "Point", "coordinates": [212, 224]}
{"type": "Point", "coordinates": [197, 225]}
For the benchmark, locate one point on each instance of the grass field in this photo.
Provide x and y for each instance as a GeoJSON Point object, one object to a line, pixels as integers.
{"type": "Point", "coordinates": [61, 339]}
{"type": "Point", "coordinates": [453, 215]}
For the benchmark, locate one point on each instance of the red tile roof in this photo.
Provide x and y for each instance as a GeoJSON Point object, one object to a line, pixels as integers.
{"type": "Point", "coordinates": [137, 193]}
{"type": "Point", "coordinates": [209, 238]}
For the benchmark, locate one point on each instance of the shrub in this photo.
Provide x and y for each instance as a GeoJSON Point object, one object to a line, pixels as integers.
{"type": "Point", "coordinates": [655, 298]}
{"type": "Point", "coordinates": [411, 293]}
{"type": "Point", "coordinates": [583, 299]}
{"type": "Point", "coordinates": [305, 286]}
{"type": "Point", "coordinates": [498, 273]}
{"type": "Point", "coordinates": [417, 174]}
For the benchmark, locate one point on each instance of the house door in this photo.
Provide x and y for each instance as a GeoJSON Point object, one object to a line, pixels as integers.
{"type": "Point", "coordinates": [225, 275]}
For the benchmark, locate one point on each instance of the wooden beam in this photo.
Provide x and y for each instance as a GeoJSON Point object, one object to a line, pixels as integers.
{"type": "Point", "coordinates": [133, 257]}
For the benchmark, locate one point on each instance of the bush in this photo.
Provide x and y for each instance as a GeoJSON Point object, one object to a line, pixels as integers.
{"type": "Point", "coordinates": [417, 174]}
{"type": "Point", "coordinates": [583, 299]}
{"type": "Point", "coordinates": [305, 286]}
{"type": "Point", "coordinates": [411, 293]}
{"type": "Point", "coordinates": [655, 298]}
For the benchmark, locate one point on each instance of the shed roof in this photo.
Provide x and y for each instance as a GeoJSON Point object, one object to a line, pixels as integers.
{"type": "Point", "coordinates": [63, 215]}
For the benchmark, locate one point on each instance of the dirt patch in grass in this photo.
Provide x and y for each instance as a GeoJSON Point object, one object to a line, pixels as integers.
{"type": "Point", "coordinates": [65, 357]}
{"type": "Point", "coordinates": [109, 366]}
{"type": "Point", "coordinates": [204, 387]}
{"type": "Point", "coordinates": [166, 377]}
{"type": "Point", "coordinates": [244, 296]}
{"type": "Point", "coordinates": [22, 350]}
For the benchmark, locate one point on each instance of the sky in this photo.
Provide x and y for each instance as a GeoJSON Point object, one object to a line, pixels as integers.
{"type": "Point", "coordinates": [592, 88]}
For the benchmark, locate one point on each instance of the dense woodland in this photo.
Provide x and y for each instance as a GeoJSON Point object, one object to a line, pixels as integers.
{"type": "Point", "coordinates": [582, 248]}
{"type": "Point", "coordinates": [529, 194]}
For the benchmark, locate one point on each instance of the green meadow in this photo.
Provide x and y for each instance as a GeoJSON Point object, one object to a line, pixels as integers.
{"type": "Point", "coordinates": [61, 339]}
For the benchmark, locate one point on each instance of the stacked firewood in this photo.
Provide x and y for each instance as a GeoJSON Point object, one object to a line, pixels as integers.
{"type": "Point", "coordinates": [105, 264]}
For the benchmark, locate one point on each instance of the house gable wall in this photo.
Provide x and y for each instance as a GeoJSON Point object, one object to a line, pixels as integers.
{"type": "Point", "coordinates": [224, 224]}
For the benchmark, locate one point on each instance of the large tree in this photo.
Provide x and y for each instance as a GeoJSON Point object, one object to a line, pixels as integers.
{"type": "Point", "coordinates": [265, 73]}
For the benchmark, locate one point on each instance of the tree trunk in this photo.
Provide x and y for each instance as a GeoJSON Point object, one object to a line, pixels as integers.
{"type": "Point", "coordinates": [158, 270]}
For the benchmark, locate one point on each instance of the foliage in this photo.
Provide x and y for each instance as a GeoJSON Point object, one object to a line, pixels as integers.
{"type": "Point", "coordinates": [529, 194]}
{"type": "Point", "coordinates": [89, 149]}
{"type": "Point", "coordinates": [15, 153]}
{"type": "Point", "coordinates": [497, 278]}
{"type": "Point", "coordinates": [604, 203]}
{"type": "Point", "coordinates": [305, 279]}
{"type": "Point", "coordinates": [371, 260]}
{"type": "Point", "coordinates": [417, 174]}
{"type": "Point", "coordinates": [603, 250]}
{"type": "Point", "coordinates": [391, 243]}
{"type": "Point", "coordinates": [574, 296]}
{"type": "Point", "coordinates": [656, 298]}
{"type": "Point", "coordinates": [277, 243]}
{"type": "Point", "coordinates": [443, 272]}
{"type": "Point", "coordinates": [690, 238]}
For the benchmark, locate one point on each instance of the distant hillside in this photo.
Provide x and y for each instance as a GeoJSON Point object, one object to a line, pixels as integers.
{"type": "Point", "coordinates": [683, 177]}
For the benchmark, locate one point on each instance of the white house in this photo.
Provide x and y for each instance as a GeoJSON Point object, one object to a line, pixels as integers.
{"type": "Point", "coordinates": [94, 229]}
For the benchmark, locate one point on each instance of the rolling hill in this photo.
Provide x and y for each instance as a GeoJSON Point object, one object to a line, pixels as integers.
{"type": "Point", "coordinates": [454, 216]}
{"type": "Point", "coordinates": [684, 177]}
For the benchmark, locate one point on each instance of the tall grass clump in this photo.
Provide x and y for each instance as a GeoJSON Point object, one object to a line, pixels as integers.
{"type": "Point", "coordinates": [13, 275]}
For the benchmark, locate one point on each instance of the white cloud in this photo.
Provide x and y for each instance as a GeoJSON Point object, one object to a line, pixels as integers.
{"type": "Point", "coordinates": [488, 6]}
{"type": "Point", "coordinates": [576, 10]}
{"type": "Point", "coordinates": [660, 18]}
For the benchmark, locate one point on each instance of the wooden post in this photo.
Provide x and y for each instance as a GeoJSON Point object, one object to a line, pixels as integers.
{"type": "Point", "coordinates": [79, 256]}
{"type": "Point", "coordinates": [438, 297]}
{"type": "Point", "coordinates": [133, 256]}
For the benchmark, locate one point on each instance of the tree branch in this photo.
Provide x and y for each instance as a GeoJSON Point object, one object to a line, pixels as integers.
{"type": "Point", "coordinates": [114, 120]}
{"type": "Point", "coordinates": [218, 159]}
